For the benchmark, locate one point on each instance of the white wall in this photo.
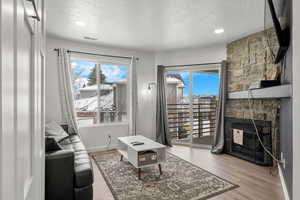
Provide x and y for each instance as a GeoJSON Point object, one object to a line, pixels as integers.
{"type": "Point", "coordinates": [208, 54]}
{"type": "Point", "coordinates": [296, 99]}
{"type": "Point", "coordinates": [95, 137]}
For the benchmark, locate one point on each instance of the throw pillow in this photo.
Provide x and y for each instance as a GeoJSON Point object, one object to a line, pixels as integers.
{"type": "Point", "coordinates": [53, 129]}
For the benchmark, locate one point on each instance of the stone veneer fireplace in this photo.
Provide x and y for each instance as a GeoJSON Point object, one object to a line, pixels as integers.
{"type": "Point", "coordinates": [250, 59]}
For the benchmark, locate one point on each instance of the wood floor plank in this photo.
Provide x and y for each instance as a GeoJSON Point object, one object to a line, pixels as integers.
{"type": "Point", "coordinates": [255, 182]}
{"type": "Point", "coordinates": [101, 190]}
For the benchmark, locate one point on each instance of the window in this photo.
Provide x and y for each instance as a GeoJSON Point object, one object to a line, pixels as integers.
{"type": "Point", "coordinates": [100, 92]}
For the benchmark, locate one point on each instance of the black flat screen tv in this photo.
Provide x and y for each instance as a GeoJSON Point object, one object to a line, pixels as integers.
{"type": "Point", "coordinates": [279, 14]}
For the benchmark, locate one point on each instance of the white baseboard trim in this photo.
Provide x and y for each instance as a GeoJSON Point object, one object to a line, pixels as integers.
{"type": "Point", "coordinates": [202, 146]}
{"type": "Point", "coordinates": [283, 184]}
{"type": "Point", "coordinates": [101, 148]}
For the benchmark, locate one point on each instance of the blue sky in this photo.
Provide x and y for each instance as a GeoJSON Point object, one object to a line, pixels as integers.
{"type": "Point", "coordinates": [202, 83]}
{"type": "Point", "coordinates": [112, 72]}
{"type": "Point", "coordinates": [82, 67]}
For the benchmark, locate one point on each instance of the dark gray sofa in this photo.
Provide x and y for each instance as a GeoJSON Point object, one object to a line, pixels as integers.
{"type": "Point", "coordinates": [69, 173]}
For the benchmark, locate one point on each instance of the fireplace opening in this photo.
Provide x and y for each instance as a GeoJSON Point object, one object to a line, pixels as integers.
{"type": "Point", "coordinates": [241, 140]}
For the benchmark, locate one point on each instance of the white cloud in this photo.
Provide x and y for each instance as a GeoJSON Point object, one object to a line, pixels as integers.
{"type": "Point", "coordinates": [82, 67]}
{"type": "Point", "coordinates": [74, 64]}
{"type": "Point", "coordinates": [113, 73]}
{"type": "Point", "coordinates": [184, 75]}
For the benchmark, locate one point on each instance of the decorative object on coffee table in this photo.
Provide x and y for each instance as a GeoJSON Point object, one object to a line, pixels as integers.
{"type": "Point", "coordinates": [180, 179]}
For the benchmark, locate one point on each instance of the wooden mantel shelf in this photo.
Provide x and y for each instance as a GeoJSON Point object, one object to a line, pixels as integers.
{"type": "Point", "coordinates": [281, 91]}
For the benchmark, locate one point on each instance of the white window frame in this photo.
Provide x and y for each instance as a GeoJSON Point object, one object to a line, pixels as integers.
{"type": "Point", "coordinates": [98, 60]}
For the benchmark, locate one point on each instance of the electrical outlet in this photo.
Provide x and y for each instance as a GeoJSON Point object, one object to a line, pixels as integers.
{"type": "Point", "coordinates": [282, 159]}
{"type": "Point", "coordinates": [108, 141]}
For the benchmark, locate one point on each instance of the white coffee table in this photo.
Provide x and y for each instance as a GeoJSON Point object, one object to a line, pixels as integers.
{"type": "Point", "coordinates": [130, 152]}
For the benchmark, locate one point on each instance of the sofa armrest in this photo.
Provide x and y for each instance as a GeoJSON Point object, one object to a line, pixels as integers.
{"type": "Point", "coordinates": [59, 174]}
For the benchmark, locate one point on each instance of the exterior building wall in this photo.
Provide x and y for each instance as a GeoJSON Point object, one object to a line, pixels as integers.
{"type": "Point", "coordinates": [88, 93]}
{"type": "Point", "coordinates": [121, 97]}
{"type": "Point", "coordinates": [172, 93]}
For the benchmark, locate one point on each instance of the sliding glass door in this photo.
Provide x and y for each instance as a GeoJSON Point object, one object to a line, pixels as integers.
{"type": "Point", "coordinates": [205, 89]}
{"type": "Point", "coordinates": [178, 102]}
{"type": "Point", "coordinates": [192, 96]}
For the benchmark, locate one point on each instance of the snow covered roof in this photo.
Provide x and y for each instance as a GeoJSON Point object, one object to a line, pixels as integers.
{"type": "Point", "coordinates": [103, 86]}
{"type": "Point", "coordinates": [94, 87]}
{"type": "Point", "coordinates": [90, 104]}
{"type": "Point", "coordinates": [124, 81]}
{"type": "Point", "coordinates": [173, 80]}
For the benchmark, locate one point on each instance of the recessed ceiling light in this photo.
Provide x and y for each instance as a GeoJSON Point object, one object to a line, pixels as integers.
{"type": "Point", "coordinates": [219, 31]}
{"type": "Point", "coordinates": [80, 23]}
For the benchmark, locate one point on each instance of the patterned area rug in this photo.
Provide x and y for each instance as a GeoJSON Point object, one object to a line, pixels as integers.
{"type": "Point", "coordinates": [181, 180]}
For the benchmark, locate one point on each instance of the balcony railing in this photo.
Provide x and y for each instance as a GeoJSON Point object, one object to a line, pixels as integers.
{"type": "Point", "coordinates": [102, 117]}
{"type": "Point", "coordinates": [202, 122]}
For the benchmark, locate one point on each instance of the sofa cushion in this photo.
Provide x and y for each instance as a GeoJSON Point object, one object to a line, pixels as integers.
{"type": "Point", "coordinates": [83, 171]}
{"type": "Point", "coordinates": [72, 142]}
{"type": "Point", "coordinates": [53, 129]}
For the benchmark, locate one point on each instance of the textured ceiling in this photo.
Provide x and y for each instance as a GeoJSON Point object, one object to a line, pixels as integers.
{"type": "Point", "coordinates": [154, 24]}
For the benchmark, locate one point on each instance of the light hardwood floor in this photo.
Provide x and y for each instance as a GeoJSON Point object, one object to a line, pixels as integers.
{"type": "Point", "coordinates": [256, 182]}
